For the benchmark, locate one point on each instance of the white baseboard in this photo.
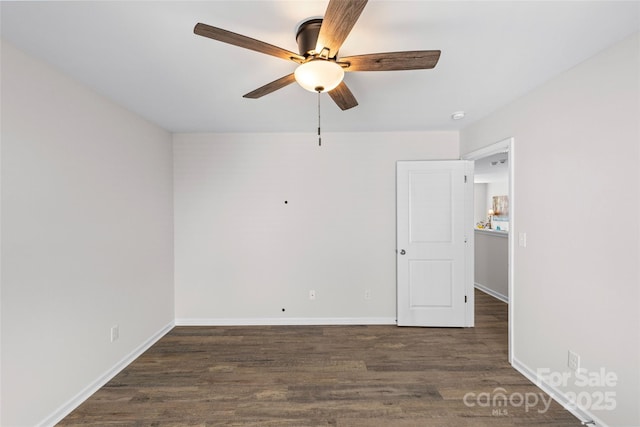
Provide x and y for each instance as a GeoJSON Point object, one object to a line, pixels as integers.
{"type": "Point", "coordinates": [491, 292]}
{"type": "Point", "coordinates": [582, 414]}
{"type": "Point", "coordinates": [283, 321]}
{"type": "Point", "coordinates": [83, 395]}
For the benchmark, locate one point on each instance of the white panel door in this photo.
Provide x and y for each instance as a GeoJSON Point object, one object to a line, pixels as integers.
{"type": "Point", "coordinates": [435, 243]}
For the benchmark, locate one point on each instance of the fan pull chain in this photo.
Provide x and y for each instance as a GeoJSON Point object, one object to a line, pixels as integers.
{"type": "Point", "coordinates": [319, 137]}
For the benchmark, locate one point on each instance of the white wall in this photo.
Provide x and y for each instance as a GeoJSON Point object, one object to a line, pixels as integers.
{"type": "Point", "coordinates": [480, 202]}
{"type": "Point", "coordinates": [242, 254]}
{"type": "Point", "coordinates": [86, 238]}
{"type": "Point", "coordinates": [577, 163]}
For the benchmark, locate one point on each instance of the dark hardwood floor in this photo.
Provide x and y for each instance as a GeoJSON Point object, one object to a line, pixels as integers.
{"type": "Point", "coordinates": [326, 376]}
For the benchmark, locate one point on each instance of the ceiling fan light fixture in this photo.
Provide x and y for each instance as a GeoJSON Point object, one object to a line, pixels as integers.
{"type": "Point", "coordinates": [319, 75]}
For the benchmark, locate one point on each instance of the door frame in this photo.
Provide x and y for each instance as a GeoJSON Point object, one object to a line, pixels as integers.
{"type": "Point", "coordinates": [505, 146]}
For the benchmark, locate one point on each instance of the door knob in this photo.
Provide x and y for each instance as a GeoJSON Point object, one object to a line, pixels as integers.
{"type": "Point", "coordinates": [402, 252]}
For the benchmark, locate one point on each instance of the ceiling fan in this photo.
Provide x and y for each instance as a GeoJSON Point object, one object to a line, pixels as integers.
{"type": "Point", "coordinates": [320, 69]}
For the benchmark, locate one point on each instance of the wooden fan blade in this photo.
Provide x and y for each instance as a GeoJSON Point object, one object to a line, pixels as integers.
{"type": "Point", "coordinates": [339, 19]}
{"type": "Point", "coordinates": [239, 40]}
{"type": "Point", "coordinates": [391, 61]}
{"type": "Point", "coordinates": [271, 87]}
{"type": "Point", "coordinates": [342, 96]}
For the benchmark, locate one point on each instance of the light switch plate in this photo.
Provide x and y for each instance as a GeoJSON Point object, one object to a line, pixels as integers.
{"type": "Point", "coordinates": [522, 239]}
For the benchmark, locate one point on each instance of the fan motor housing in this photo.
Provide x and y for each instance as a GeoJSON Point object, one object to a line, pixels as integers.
{"type": "Point", "coordinates": [307, 36]}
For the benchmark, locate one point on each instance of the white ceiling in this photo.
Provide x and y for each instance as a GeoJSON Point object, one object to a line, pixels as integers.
{"type": "Point", "coordinates": [493, 168]}
{"type": "Point", "coordinates": [144, 56]}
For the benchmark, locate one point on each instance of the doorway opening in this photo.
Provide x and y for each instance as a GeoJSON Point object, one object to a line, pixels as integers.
{"type": "Point", "coordinates": [490, 222]}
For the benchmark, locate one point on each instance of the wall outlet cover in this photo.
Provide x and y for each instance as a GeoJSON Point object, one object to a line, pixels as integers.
{"type": "Point", "coordinates": [115, 333]}
{"type": "Point", "coordinates": [573, 361]}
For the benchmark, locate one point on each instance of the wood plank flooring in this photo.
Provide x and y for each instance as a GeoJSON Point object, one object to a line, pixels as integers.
{"type": "Point", "coordinates": [325, 376]}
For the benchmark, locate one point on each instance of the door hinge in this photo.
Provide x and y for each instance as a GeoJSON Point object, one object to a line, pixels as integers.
{"type": "Point", "coordinates": [465, 299]}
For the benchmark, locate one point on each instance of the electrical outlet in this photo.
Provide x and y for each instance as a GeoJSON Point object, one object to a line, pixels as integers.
{"type": "Point", "coordinates": [573, 361]}
{"type": "Point", "coordinates": [312, 295]}
{"type": "Point", "coordinates": [367, 294]}
{"type": "Point", "coordinates": [115, 333]}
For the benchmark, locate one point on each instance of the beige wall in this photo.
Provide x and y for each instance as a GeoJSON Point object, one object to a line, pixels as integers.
{"type": "Point", "coordinates": [577, 165]}
{"type": "Point", "coordinates": [242, 254]}
{"type": "Point", "coordinates": [86, 237]}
